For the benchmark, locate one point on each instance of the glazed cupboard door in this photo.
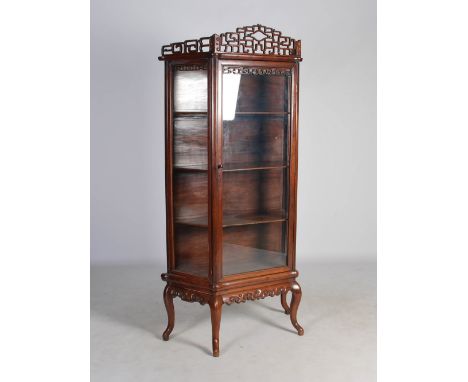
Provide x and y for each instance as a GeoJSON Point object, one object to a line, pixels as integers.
{"type": "Point", "coordinates": [189, 120]}
{"type": "Point", "coordinates": [256, 119]}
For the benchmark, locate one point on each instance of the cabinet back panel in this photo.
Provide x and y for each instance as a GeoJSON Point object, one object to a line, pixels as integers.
{"type": "Point", "coordinates": [262, 93]}
{"type": "Point", "coordinates": [190, 195]}
{"type": "Point", "coordinates": [253, 191]}
{"type": "Point", "coordinates": [255, 139]}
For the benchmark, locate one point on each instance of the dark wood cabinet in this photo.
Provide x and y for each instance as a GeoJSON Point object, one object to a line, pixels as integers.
{"type": "Point", "coordinates": [231, 170]}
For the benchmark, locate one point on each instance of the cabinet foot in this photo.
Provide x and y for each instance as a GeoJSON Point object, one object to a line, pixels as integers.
{"type": "Point", "coordinates": [296, 299]}
{"type": "Point", "coordinates": [169, 303]}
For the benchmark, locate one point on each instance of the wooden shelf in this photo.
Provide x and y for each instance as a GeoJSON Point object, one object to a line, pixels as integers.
{"type": "Point", "coordinates": [266, 113]}
{"type": "Point", "coordinates": [196, 221]}
{"type": "Point", "coordinates": [250, 166]}
{"type": "Point", "coordinates": [238, 259]}
{"type": "Point", "coordinates": [190, 114]}
{"type": "Point", "coordinates": [234, 220]}
{"type": "Point", "coordinates": [192, 168]}
{"type": "Point", "coordinates": [232, 167]}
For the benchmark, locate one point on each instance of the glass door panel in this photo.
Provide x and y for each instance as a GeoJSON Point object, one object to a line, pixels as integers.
{"type": "Point", "coordinates": [190, 176]}
{"type": "Point", "coordinates": [256, 119]}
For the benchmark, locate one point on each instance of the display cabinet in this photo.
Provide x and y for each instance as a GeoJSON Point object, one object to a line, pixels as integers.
{"type": "Point", "coordinates": [231, 171]}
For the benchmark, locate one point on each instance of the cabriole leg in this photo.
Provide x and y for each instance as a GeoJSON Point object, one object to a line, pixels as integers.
{"type": "Point", "coordinates": [169, 303]}
{"type": "Point", "coordinates": [216, 305]}
{"type": "Point", "coordinates": [296, 299]}
{"type": "Point", "coordinates": [284, 302]}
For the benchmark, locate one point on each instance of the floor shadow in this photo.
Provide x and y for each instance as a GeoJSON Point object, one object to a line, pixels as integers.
{"type": "Point", "coordinates": [252, 311]}
{"type": "Point", "coordinates": [193, 322]}
{"type": "Point", "coordinates": [277, 310]}
{"type": "Point", "coordinates": [129, 295]}
{"type": "Point", "coordinates": [176, 337]}
{"type": "Point", "coordinates": [132, 296]}
{"type": "Point", "coordinates": [191, 343]}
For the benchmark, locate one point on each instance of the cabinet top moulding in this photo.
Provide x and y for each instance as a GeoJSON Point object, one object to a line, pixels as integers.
{"type": "Point", "coordinates": [252, 42]}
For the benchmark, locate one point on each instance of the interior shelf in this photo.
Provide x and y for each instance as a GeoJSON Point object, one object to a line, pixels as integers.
{"type": "Point", "coordinates": [266, 113]}
{"type": "Point", "coordinates": [249, 166]}
{"type": "Point", "coordinates": [192, 168]}
{"type": "Point", "coordinates": [195, 221]}
{"type": "Point", "coordinates": [232, 167]}
{"type": "Point", "coordinates": [238, 259]}
{"type": "Point", "coordinates": [190, 113]}
{"type": "Point", "coordinates": [233, 220]}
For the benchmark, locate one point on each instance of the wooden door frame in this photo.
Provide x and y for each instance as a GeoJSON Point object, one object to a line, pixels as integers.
{"type": "Point", "coordinates": [216, 152]}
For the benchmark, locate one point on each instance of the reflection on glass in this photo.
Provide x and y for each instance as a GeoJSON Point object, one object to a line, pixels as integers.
{"type": "Point", "coordinates": [230, 90]}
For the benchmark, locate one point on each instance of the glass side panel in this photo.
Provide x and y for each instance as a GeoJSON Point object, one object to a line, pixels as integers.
{"type": "Point", "coordinates": [191, 142]}
{"type": "Point", "coordinates": [190, 178]}
{"type": "Point", "coordinates": [256, 121]}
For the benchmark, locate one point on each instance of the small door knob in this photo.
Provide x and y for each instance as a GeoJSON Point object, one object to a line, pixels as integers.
{"type": "Point", "coordinates": [220, 165]}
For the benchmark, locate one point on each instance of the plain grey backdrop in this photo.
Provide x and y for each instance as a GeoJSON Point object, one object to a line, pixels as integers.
{"type": "Point", "coordinates": [337, 128]}
{"type": "Point", "coordinates": [336, 238]}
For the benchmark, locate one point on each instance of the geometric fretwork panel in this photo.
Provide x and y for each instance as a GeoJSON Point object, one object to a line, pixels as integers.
{"type": "Point", "coordinates": [187, 46]}
{"type": "Point", "coordinates": [256, 39]}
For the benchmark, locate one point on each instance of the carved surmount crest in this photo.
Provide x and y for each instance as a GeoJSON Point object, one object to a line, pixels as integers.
{"type": "Point", "coordinates": [257, 39]}
{"type": "Point", "coordinates": [254, 39]}
{"type": "Point", "coordinates": [255, 295]}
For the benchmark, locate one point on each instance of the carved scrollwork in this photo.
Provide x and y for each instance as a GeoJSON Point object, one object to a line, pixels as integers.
{"type": "Point", "coordinates": [257, 71]}
{"type": "Point", "coordinates": [254, 39]}
{"type": "Point", "coordinates": [188, 295]}
{"type": "Point", "coordinates": [190, 67]}
{"type": "Point", "coordinates": [255, 295]}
